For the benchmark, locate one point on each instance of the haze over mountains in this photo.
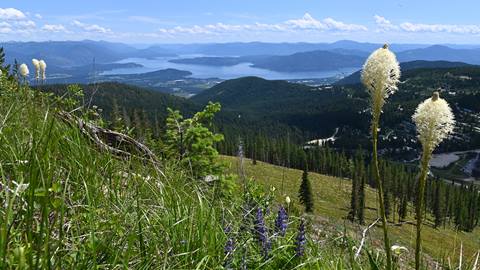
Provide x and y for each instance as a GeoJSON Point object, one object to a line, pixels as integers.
{"type": "Point", "coordinates": [87, 61]}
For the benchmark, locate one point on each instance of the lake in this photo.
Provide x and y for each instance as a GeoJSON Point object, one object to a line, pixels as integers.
{"type": "Point", "coordinates": [222, 72]}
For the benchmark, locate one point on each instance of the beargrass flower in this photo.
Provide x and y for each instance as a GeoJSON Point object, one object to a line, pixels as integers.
{"type": "Point", "coordinates": [434, 120]}
{"type": "Point", "coordinates": [380, 75]}
{"type": "Point", "coordinates": [287, 200]}
{"type": "Point", "coordinates": [43, 69]}
{"type": "Point", "coordinates": [301, 240]}
{"type": "Point", "coordinates": [281, 221]}
{"type": "Point", "coordinates": [262, 232]}
{"type": "Point", "coordinates": [23, 70]}
{"type": "Point", "coordinates": [397, 250]}
{"type": "Point", "coordinates": [36, 65]}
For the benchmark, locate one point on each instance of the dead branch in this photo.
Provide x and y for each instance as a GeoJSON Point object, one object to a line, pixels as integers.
{"type": "Point", "coordinates": [364, 235]}
{"type": "Point", "coordinates": [119, 144]}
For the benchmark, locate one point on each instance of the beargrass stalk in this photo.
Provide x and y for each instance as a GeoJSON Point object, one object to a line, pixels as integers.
{"type": "Point", "coordinates": [380, 75]}
{"type": "Point", "coordinates": [434, 120]}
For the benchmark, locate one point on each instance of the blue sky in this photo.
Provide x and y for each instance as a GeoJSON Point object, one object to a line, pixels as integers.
{"type": "Point", "coordinates": [187, 21]}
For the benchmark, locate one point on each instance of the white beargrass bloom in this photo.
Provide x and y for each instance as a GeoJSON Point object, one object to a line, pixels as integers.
{"type": "Point", "coordinates": [287, 200]}
{"type": "Point", "coordinates": [380, 75]}
{"type": "Point", "coordinates": [36, 64]}
{"type": "Point", "coordinates": [23, 69]}
{"type": "Point", "coordinates": [1, 73]}
{"type": "Point", "coordinates": [43, 69]}
{"type": "Point", "coordinates": [397, 250]}
{"type": "Point", "coordinates": [434, 120]}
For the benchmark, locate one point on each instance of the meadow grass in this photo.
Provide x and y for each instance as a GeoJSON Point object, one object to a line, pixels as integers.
{"type": "Point", "coordinates": [332, 201]}
{"type": "Point", "coordinates": [68, 205]}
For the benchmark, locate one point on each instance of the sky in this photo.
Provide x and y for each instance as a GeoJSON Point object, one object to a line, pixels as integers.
{"type": "Point", "coordinates": [202, 21]}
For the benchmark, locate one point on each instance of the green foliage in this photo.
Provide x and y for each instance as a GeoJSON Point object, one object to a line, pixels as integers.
{"type": "Point", "coordinates": [305, 192]}
{"type": "Point", "coordinates": [192, 142]}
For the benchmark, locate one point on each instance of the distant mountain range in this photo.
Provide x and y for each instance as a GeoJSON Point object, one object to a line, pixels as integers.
{"type": "Point", "coordinates": [355, 77]}
{"type": "Point", "coordinates": [76, 53]}
{"type": "Point", "coordinates": [336, 59]}
{"type": "Point", "coordinates": [85, 61]}
{"type": "Point", "coordinates": [297, 62]}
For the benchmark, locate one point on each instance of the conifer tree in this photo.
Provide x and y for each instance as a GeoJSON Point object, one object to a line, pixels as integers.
{"type": "Point", "coordinates": [305, 192]}
{"type": "Point", "coordinates": [354, 198]}
{"type": "Point", "coordinates": [361, 187]}
{"type": "Point", "coordinates": [438, 204]}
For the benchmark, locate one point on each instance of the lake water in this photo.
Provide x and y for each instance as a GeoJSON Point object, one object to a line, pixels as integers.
{"type": "Point", "coordinates": [222, 72]}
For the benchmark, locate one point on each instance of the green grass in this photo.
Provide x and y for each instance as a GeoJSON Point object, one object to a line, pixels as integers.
{"type": "Point", "coordinates": [67, 205]}
{"type": "Point", "coordinates": [332, 200]}
{"type": "Point", "coordinates": [85, 209]}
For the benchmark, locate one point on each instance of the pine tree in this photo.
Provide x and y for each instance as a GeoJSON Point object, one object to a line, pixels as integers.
{"type": "Point", "coordinates": [305, 192]}
{"type": "Point", "coordinates": [438, 204]}
{"type": "Point", "coordinates": [361, 188]}
{"type": "Point", "coordinates": [353, 198]}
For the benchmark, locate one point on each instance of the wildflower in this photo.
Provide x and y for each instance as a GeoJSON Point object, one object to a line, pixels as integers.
{"type": "Point", "coordinates": [281, 221]}
{"type": "Point", "coordinates": [301, 240]}
{"type": "Point", "coordinates": [287, 200]}
{"type": "Point", "coordinates": [23, 69]}
{"type": "Point", "coordinates": [262, 234]}
{"type": "Point", "coordinates": [229, 246]}
{"type": "Point", "coordinates": [0, 73]}
{"type": "Point", "coordinates": [43, 69]}
{"type": "Point", "coordinates": [36, 65]}
{"type": "Point", "coordinates": [380, 75]}
{"type": "Point", "coordinates": [434, 120]}
{"type": "Point", "coordinates": [397, 250]}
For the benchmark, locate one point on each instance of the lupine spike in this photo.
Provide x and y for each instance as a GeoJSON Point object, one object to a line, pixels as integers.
{"type": "Point", "coordinates": [262, 234]}
{"type": "Point", "coordinates": [281, 221]}
{"type": "Point", "coordinates": [301, 240]}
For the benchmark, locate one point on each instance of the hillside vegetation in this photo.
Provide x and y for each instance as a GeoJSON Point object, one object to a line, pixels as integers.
{"type": "Point", "coordinates": [332, 201]}
{"type": "Point", "coordinates": [69, 204]}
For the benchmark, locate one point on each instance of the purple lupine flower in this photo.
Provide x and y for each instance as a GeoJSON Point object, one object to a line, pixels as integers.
{"type": "Point", "coordinates": [281, 221]}
{"type": "Point", "coordinates": [229, 246]}
{"type": "Point", "coordinates": [301, 240]}
{"type": "Point", "coordinates": [261, 231]}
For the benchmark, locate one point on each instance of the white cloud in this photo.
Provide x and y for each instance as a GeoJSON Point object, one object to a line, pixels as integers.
{"type": "Point", "coordinates": [11, 14]}
{"type": "Point", "coordinates": [56, 28]}
{"type": "Point", "coordinates": [341, 26]}
{"type": "Point", "coordinates": [38, 16]}
{"type": "Point", "coordinates": [5, 24]}
{"type": "Point", "coordinates": [92, 28]}
{"type": "Point", "coordinates": [5, 30]}
{"type": "Point", "coordinates": [384, 24]}
{"type": "Point", "coordinates": [307, 22]}
{"type": "Point", "coordinates": [436, 28]}
{"type": "Point", "coordinates": [26, 24]}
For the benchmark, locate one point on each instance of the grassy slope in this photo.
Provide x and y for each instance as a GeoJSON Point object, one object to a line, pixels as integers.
{"type": "Point", "coordinates": [85, 209]}
{"type": "Point", "coordinates": [332, 199]}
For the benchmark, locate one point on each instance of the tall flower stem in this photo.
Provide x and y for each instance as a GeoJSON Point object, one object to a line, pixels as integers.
{"type": "Point", "coordinates": [421, 194]}
{"type": "Point", "coordinates": [434, 121]}
{"type": "Point", "coordinates": [380, 192]}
